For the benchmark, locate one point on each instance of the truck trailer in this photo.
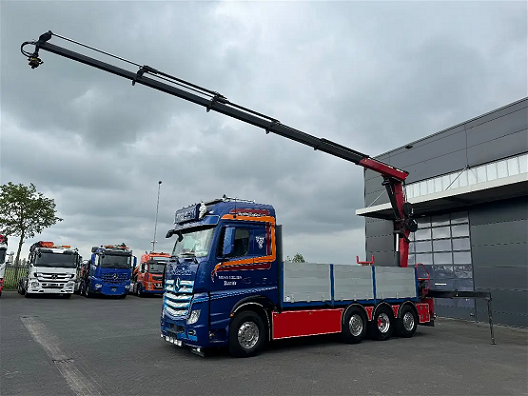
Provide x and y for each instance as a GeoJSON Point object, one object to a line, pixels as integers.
{"type": "Point", "coordinates": [3, 254]}
{"type": "Point", "coordinates": [148, 275]}
{"type": "Point", "coordinates": [108, 272]}
{"type": "Point", "coordinates": [51, 270]}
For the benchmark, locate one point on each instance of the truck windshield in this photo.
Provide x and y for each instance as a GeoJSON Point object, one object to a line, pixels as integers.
{"type": "Point", "coordinates": [2, 255]}
{"type": "Point", "coordinates": [195, 243]}
{"type": "Point", "coordinates": [157, 266]}
{"type": "Point", "coordinates": [66, 260]}
{"type": "Point", "coordinates": [111, 261]}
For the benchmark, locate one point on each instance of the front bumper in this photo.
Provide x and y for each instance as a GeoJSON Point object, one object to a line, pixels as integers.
{"type": "Point", "coordinates": [111, 289]}
{"type": "Point", "coordinates": [46, 288]}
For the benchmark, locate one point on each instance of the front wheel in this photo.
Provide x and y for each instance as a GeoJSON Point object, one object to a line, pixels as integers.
{"type": "Point", "coordinates": [247, 334]}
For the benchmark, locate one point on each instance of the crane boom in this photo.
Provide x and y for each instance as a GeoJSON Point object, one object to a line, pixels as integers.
{"type": "Point", "coordinates": [393, 177]}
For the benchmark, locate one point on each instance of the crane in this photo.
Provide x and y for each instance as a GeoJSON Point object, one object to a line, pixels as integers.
{"type": "Point", "coordinates": [393, 178]}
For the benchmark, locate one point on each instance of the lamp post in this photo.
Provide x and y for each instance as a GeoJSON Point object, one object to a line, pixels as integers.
{"type": "Point", "coordinates": [156, 221]}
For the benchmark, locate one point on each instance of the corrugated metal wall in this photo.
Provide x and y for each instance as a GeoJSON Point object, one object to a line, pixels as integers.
{"type": "Point", "coordinates": [498, 231]}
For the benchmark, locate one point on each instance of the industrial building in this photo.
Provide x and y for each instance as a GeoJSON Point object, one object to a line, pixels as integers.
{"type": "Point", "coordinates": [469, 188]}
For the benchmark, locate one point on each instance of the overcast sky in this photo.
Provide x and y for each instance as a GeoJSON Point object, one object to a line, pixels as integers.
{"type": "Point", "coordinates": [370, 75]}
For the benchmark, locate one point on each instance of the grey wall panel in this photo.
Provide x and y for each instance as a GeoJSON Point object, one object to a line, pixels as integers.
{"type": "Point", "coordinates": [500, 211]}
{"type": "Point", "coordinates": [505, 112]}
{"type": "Point", "coordinates": [506, 146]}
{"type": "Point", "coordinates": [438, 147]}
{"type": "Point", "coordinates": [497, 128]}
{"type": "Point", "coordinates": [511, 232]}
{"type": "Point", "coordinates": [437, 166]}
{"type": "Point", "coordinates": [373, 185]}
{"type": "Point", "coordinates": [503, 317]}
{"type": "Point", "coordinates": [378, 228]}
{"type": "Point", "coordinates": [378, 197]}
{"type": "Point", "coordinates": [380, 243]}
{"type": "Point", "coordinates": [514, 255]}
{"type": "Point", "coordinates": [385, 259]}
{"type": "Point", "coordinates": [500, 258]}
{"type": "Point", "coordinates": [509, 301]}
{"type": "Point", "coordinates": [501, 276]}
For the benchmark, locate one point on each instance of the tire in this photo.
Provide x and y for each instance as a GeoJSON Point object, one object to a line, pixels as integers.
{"type": "Point", "coordinates": [122, 296]}
{"type": "Point", "coordinates": [382, 324]}
{"type": "Point", "coordinates": [247, 334]}
{"type": "Point", "coordinates": [27, 295]}
{"type": "Point", "coordinates": [354, 325]}
{"type": "Point", "coordinates": [407, 323]}
{"type": "Point", "coordinates": [67, 295]}
{"type": "Point", "coordinates": [139, 290]}
{"type": "Point", "coordinates": [20, 290]}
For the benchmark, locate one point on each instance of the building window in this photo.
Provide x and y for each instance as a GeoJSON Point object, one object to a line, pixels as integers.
{"type": "Point", "coordinates": [442, 245]}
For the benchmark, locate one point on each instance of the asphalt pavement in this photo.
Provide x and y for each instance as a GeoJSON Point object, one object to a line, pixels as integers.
{"type": "Point", "coordinates": [55, 346]}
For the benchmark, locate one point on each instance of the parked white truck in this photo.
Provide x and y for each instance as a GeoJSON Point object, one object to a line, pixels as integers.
{"type": "Point", "coordinates": [51, 270]}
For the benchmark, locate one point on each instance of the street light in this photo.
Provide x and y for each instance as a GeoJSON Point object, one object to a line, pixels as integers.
{"type": "Point", "coordinates": [156, 221]}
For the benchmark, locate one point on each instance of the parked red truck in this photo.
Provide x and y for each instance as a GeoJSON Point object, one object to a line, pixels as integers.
{"type": "Point", "coordinates": [147, 276]}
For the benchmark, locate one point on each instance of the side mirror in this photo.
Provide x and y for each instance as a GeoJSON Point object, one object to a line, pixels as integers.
{"type": "Point", "coordinates": [228, 244]}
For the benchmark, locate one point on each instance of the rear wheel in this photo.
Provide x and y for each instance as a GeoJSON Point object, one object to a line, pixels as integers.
{"type": "Point", "coordinates": [354, 326]}
{"type": "Point", "coordinates": [247, 334]}
{"type": "Point", "coordinates": [382, 324]}
{"type": "Point", "coordinates": [407, 323]}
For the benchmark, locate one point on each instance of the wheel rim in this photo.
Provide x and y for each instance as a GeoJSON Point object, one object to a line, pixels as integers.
{"type": "Point", "coordinates": [248, 335]}
{"type": "Point", "coordinates": [408, 321]}
{"type": "Point", "coordinates": [383, 322]}
{"type": "Point", "coordinates": [355, 325]}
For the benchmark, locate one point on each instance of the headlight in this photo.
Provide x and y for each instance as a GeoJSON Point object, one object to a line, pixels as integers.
{"type": "Point", "coordinates": [34, 284]}
{"type": "Point", "coordinates": [193, 318]}
{"type": "Point", "coordinates": [98, 285]}
{"type": "Point", "coordinates": [71, 276]}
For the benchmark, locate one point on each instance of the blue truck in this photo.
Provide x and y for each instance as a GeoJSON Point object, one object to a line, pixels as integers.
{"type": "Point", "coordinates": [108, 271]}
{"type": "Point", "coordinates": [227, 285]}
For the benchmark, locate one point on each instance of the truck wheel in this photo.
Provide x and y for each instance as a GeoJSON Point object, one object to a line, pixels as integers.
{"type": "Point", "coordinates": [354, 326]}
{"type": "Point", "coordinates": [27, 295]}
{"type": "Point", "coordinates": [20, 288]}
{"type": "Point", "coordinates": [140, 290]}
{"type": "Point", "coordinates": [123, 296]}
{"type": "Point", "coordinates": [247, 334]}
{"type": "Point", "coordinates": [67, 295]}
{"type": "Point", "coordinates": [407, 323]}
{"type": "Point", "coordinates": [382, 324]}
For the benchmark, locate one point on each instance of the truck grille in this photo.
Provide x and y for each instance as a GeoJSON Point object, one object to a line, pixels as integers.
{"type": "Point", "coordinates": [53, 277]}
{"type": "Point", "coordinates": [177, 297]}
{"type": "Point", "coordinates": [114, 278]}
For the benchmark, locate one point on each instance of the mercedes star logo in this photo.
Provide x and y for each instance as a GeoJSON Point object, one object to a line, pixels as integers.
{"type": "Point", "coordinates": [115, 276]}
{"type": "Point", "coordinates": [54, 276]}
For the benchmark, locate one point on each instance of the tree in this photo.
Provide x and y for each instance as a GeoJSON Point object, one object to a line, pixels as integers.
{"type": "Point", "coordinates": [25, 212]}
{"type": "Point", "coordinates": [298, 258]}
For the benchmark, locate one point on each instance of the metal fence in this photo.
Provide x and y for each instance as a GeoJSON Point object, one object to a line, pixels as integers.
{"type": "Point", "coordinates": [12, 275]}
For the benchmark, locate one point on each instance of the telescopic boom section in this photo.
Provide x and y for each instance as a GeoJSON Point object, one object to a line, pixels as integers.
{"type": "Point", "coordinates": [393, 178]}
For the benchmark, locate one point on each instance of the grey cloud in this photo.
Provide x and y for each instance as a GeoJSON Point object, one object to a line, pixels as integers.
{"type": "Point", "coordinates": [370, 76]}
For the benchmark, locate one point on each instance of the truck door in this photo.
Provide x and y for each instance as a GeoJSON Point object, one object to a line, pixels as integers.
{"type": "Point", "coordinates": [245, 256]}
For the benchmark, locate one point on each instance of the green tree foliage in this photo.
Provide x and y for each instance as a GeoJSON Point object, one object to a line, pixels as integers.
{"type": "Point", "coordinates": [298, 258]}
{"type": "Point", "coordinates": [25, 212]}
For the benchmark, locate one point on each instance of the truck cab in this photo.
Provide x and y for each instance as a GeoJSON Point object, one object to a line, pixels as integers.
{"type": "Point", "coordinates": [109, 271]}
{"type": "Point", "coordinates": [51, 270]}
{"type": "Point", "coordinates": [3, 254]}
{"type": "Point", "coordinates": [148, 275]}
